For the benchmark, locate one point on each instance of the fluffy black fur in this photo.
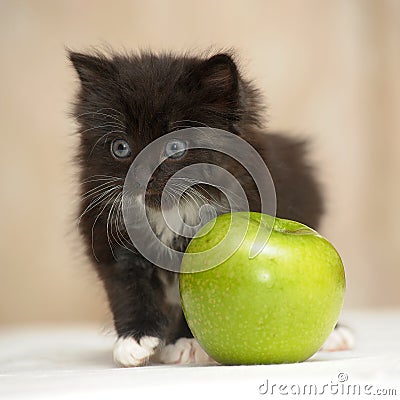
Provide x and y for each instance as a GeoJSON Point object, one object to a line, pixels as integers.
{"type": "Point", "coordinates": [140, 97]}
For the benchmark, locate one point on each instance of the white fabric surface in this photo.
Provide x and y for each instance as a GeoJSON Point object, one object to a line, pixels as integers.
{"type": "Point", "coordinates": [75, 362]}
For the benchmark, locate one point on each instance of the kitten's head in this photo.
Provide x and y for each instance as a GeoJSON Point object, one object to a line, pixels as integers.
{"type": "Point", "coordinates": [125, 102]}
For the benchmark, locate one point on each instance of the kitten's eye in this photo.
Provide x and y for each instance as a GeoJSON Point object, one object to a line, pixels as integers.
{"type": "Point", "coordinates": [120, 148]}
{"type": "Point", "coordinates": [175, 148]}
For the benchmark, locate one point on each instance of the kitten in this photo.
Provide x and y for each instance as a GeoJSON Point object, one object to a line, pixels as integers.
{"type": "Point", "coordinates": [124, 103]}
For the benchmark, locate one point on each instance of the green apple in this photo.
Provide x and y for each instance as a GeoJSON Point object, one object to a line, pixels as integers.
{"type": "Point", "coordinates": [277, 307]}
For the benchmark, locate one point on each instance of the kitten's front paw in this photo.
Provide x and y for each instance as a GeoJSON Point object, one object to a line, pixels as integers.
{"type": "Point", "coordinates": [341, 338]}
{"type": "Point", "coordinates": [129, 353]}
{"type": "Point", "coordinates": [185, 351]}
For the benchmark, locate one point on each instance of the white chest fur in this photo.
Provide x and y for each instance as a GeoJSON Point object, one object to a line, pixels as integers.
{"type": "Point", "coordinates": [170, 223]}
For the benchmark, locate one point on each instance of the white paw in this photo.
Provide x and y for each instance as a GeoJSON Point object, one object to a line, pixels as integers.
{"type": "Point", "coordinates": [129, 353]}
{"type": "Point", "coordinates": [341, 338]}
{"type": "Point", "coordinates": [185, 351]}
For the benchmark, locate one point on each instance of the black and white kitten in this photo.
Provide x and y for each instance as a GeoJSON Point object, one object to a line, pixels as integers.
{"type": "Point", "coordinates": [126, 102]}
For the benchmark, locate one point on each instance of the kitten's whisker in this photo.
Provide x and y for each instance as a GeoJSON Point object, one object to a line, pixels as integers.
{"type": "Point", "coordinates": [193, 198]}
{"type": "Point", "coordinates": [178, 197]}
{"type": "Point", "coordinates": [206, 200]}
{"type": "Point", "coordinates": [182, 191]}
{"type": "Point", "coordinates": [112, 109]}
{"type": "Point", "coordinates": [107, 125]}
{"type": "Point", "coordinates": [117, 221]}
{"type": "Point", "coordinates": [116, 120]}
{"type": "Point", "coordinates": [103, 190]}
{"type": "Point", "coordinates": [98, 188]}
{"type": "Point", "coordinates": [195, 192]}
{"type": "Point", "coordinates": [103, 137]}
{"type": "Point", "coordinates": [173, 195]}
{"type": "Point", "coordinates": [215, 201]}
{"type": "Point", "coordinates": [231, 197]}
{"type": "Point", "coordinates": [220, 187]}
{"type": "Point", "coordinates": [101, 177]}
{"type": "Point", "coordinates": [97, 201]}
{"type": "Point", "coordinates": [94, 223]}
{"type": "Point", "coordinates": [189, 203]}
{"type": "Point", "coordinates": [109, 219]}
{"type": "Point", "coordinates": [107, 229]}
{"type": "Point", "coordinates": [127, 198]}
{"type": "Point", "coordinates": [120, 222]}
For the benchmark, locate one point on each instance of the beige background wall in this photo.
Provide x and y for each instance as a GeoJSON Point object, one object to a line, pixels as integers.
{"type": "Point", "coordinates": [329, 69]}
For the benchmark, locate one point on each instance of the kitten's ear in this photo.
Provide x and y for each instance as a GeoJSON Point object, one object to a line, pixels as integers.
{"type": "Point", "coordinates": [90, 68]}
{"type": "Point", "coordinates": [218, 79]}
